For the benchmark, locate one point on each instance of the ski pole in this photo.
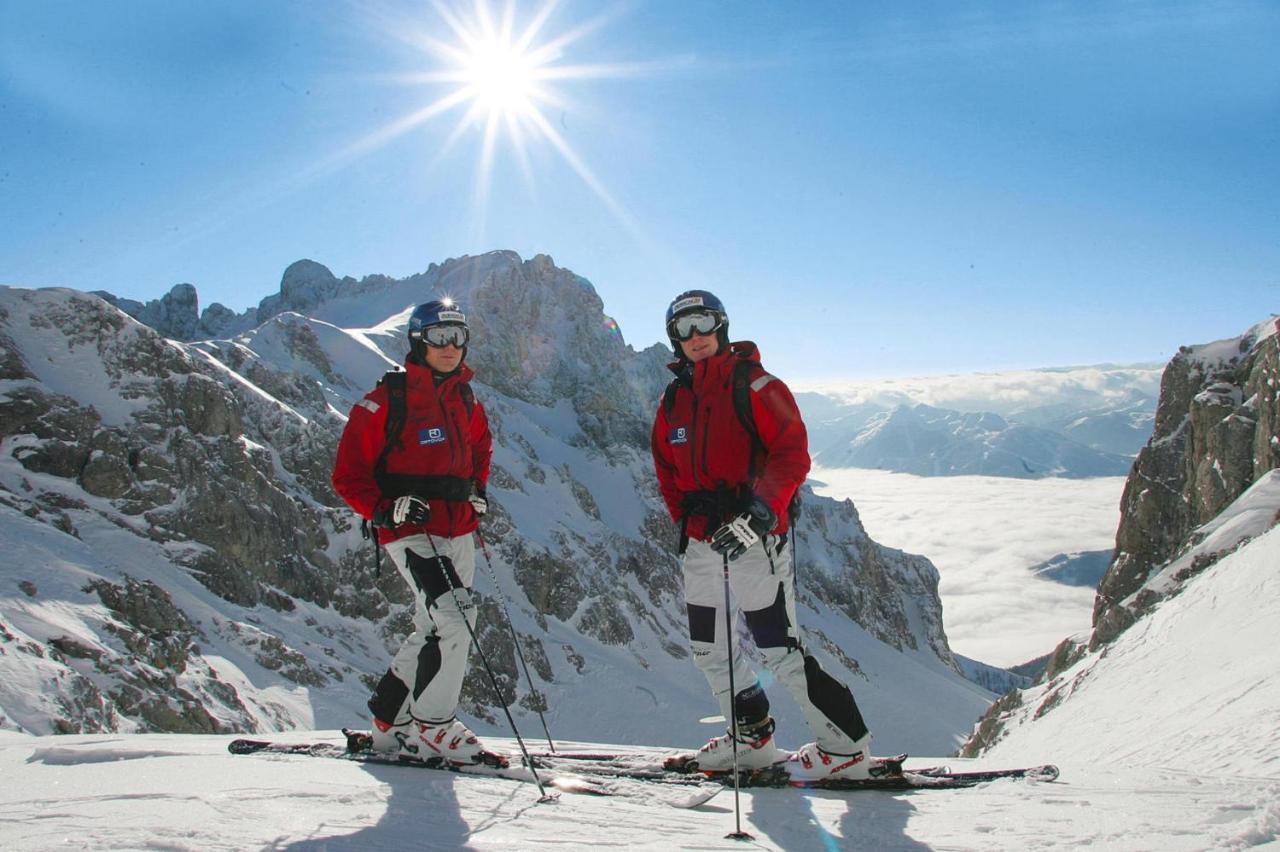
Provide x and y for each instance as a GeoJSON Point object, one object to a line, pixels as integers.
{"type": "Point", "coordinates": [515, 639]}
{"type": "Point", "coordinates": [738, 833]}
{"type": "Point", "coordinates": [475, 643]}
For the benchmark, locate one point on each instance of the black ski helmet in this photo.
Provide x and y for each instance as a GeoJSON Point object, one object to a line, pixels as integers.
{"type": "Point", "coordinates": [697, 300]}
{"type": "Point", "coordinates": [436, 312]}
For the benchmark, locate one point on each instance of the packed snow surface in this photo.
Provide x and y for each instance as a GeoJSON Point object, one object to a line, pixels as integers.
{"type": "Point", "coordinates": [1168, 742]}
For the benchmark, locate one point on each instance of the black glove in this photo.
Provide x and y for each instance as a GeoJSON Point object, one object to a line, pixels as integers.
{"type": "Point", "coordinates": [478, 501]}
{"type": "Point", "coordinates": [402, 510]}
{"type": "Point", "coordinates": [734, 538]}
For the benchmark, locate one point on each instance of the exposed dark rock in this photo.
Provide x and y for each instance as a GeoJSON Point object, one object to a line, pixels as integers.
{"type": "Point", "coordinates": [1211, 442]}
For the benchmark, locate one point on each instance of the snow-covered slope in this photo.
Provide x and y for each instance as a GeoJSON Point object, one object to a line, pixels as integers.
{"type": "Point", "coordinates": [1192, 689]}
{"type": "Point", "coordinates": [171, 791]}
{"type": "Point", "coordinates": [1178, 685]}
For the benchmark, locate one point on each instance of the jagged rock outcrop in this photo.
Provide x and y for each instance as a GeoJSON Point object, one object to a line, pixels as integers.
{"type": "Point", "coordinates": [176, 314]}
{"type": "Point", "coordinates": [1205, 485]}
{"type": "Point", "coordinates": [190, 484]}
{"type": "Point", "coordinates": [1217, 432]}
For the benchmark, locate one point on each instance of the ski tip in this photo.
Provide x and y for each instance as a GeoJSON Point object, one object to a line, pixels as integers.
{"type": "Point", "coordinates": [684, 763]}
{"type": "Point", "coordinates": [357, 741]}
{"type": "Point", "coordinates": [243, 746]}
{"type": "Point", "coordinates": [574, 784]}
{"type": "Point", "coordinates": [490, 758]}
{"type": "Point", "coordinates": [1048, 772]}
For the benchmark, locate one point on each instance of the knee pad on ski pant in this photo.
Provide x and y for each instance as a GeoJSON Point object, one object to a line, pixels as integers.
{"type": "Point", "coordinates": [434, 576]}
{"type": "Point", "coordinates": [770, 626]}
{"type": "Point", "coordinates": [712, 660]}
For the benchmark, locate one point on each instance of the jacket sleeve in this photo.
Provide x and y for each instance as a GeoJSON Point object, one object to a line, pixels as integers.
{"type": "Point", "coordinates": [481, 446]}
{"type": "Point", "coordinates": [664, 464]}
{"type": "Point", "coordinates": [787, 443]}
{"type": "Point", "coordinates": [358, 451]}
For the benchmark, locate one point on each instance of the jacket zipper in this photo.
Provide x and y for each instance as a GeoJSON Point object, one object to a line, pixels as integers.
{"type": "Point", "coordinates": [450, 427]}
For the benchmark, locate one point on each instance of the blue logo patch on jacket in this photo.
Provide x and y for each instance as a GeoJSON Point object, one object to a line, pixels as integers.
{"type": "Point", "coordinates": [432, 435]}
{"type": "Point", "coordinates": [679, 435]}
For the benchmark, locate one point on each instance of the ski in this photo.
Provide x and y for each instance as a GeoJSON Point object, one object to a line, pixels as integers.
{"type": "Point", "coordinates": [887, 773]}
{"type": "Point", "coordinates": [934, 779]}
{"type": "Point", "coordinates": [880, 766]}
{"type": "Point", "coordinates": [605, 773]}
{"type": "Point", "coordinates": [492, 766]}
{"type": "Point", "coordinates": [612, 763]}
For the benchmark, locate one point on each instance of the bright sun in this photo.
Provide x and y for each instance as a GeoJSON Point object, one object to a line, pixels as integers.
{"type": "Point", "coordinates": [502, 76]}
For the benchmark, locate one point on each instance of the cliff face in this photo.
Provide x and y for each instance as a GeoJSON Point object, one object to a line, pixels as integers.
{"type": "Point", "coordinates": [1215, 435]}
{"type": "Point", "coordinates": [1206, 484]}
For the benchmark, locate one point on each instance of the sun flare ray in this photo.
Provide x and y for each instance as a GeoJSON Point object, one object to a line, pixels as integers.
{"type": "Point", "coordinates": [500, 69]}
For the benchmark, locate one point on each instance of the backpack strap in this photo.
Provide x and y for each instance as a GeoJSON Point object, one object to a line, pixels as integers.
{"type": "Point", "coordinates": [395, 381]}
{"type": "Point", "coordinates": [468, 397]}
{"type": "Point", "coordinates": [743, 386]}
{"type": "Point", "coordinates": [684, 377]}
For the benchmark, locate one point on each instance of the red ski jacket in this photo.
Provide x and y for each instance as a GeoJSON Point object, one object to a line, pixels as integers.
{"type": "Point", "coordinates": [701, 448]}
{"type": "Point", "coordinates": [440, 438]}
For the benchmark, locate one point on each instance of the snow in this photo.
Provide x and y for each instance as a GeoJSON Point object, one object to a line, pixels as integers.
{"type": "Point", "coordinates": [1248, 516]}
{"type": "Point", "coordinates": [1151, 759]}
{"type": "Point", "coordinates": [984, 534]}
{"type": "Point", "coordinates": [71, 366]}
{"type": "Point", "coordinates": [1213, 355]}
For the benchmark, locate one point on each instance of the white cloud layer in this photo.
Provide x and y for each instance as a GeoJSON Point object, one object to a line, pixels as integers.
{"type": "Point", "coordinates": [1004, 393]}
{"type": "Point", "coordinates": [984, 533]}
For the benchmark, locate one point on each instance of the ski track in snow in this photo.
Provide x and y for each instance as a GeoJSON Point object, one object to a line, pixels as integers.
{"type": "Point", "coordinates": [186, 792]}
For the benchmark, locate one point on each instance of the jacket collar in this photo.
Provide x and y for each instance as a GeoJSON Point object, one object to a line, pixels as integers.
{"type": "Point", "coordinates": [422, 374]}
{"type": "Point", "coordinates": [718, 364]}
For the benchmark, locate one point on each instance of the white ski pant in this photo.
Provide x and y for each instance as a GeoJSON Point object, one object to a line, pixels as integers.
{"type": "Point", "coordinates": [433, 660]}
{"type": "Point", "coordinates": [762, 583]}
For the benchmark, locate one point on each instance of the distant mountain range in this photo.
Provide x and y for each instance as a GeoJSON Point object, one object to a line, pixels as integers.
{"type": "Point", "coordinates": [1068, 422]}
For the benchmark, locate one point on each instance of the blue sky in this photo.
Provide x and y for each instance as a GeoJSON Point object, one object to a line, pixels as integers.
{"type": "Point", "coordinates": [874, 189]}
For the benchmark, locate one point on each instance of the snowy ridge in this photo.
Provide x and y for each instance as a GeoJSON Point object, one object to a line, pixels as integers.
{"type": "Point", "coordinates": [1178, 684]}
{"type": "Point", "coordinates": [1213, 356]}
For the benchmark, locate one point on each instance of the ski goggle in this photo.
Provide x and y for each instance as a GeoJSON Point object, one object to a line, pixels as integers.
{"type": "Point", "coordinates": [440, 336]}
{"type": "Point", "coordinates": [684, 326]}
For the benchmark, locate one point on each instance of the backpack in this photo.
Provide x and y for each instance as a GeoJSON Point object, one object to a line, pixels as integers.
{"type": "Point", "coordinates": [741, 388]}
{"type": "Point", "coordinates": [396, 382]}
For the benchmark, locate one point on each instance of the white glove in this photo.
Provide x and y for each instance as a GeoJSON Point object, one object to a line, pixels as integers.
{"type": "Point", "coordinates": [410, 510]}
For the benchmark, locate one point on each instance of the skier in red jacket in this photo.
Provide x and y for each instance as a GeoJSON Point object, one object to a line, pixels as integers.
{"type": "Point", "coordinates": [730, 492]}
{"type": "Point", "coordinates": [423, 490]}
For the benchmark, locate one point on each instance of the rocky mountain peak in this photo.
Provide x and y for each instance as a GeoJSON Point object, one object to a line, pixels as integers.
{"type": "Point", "coordinates": [193, 481]}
